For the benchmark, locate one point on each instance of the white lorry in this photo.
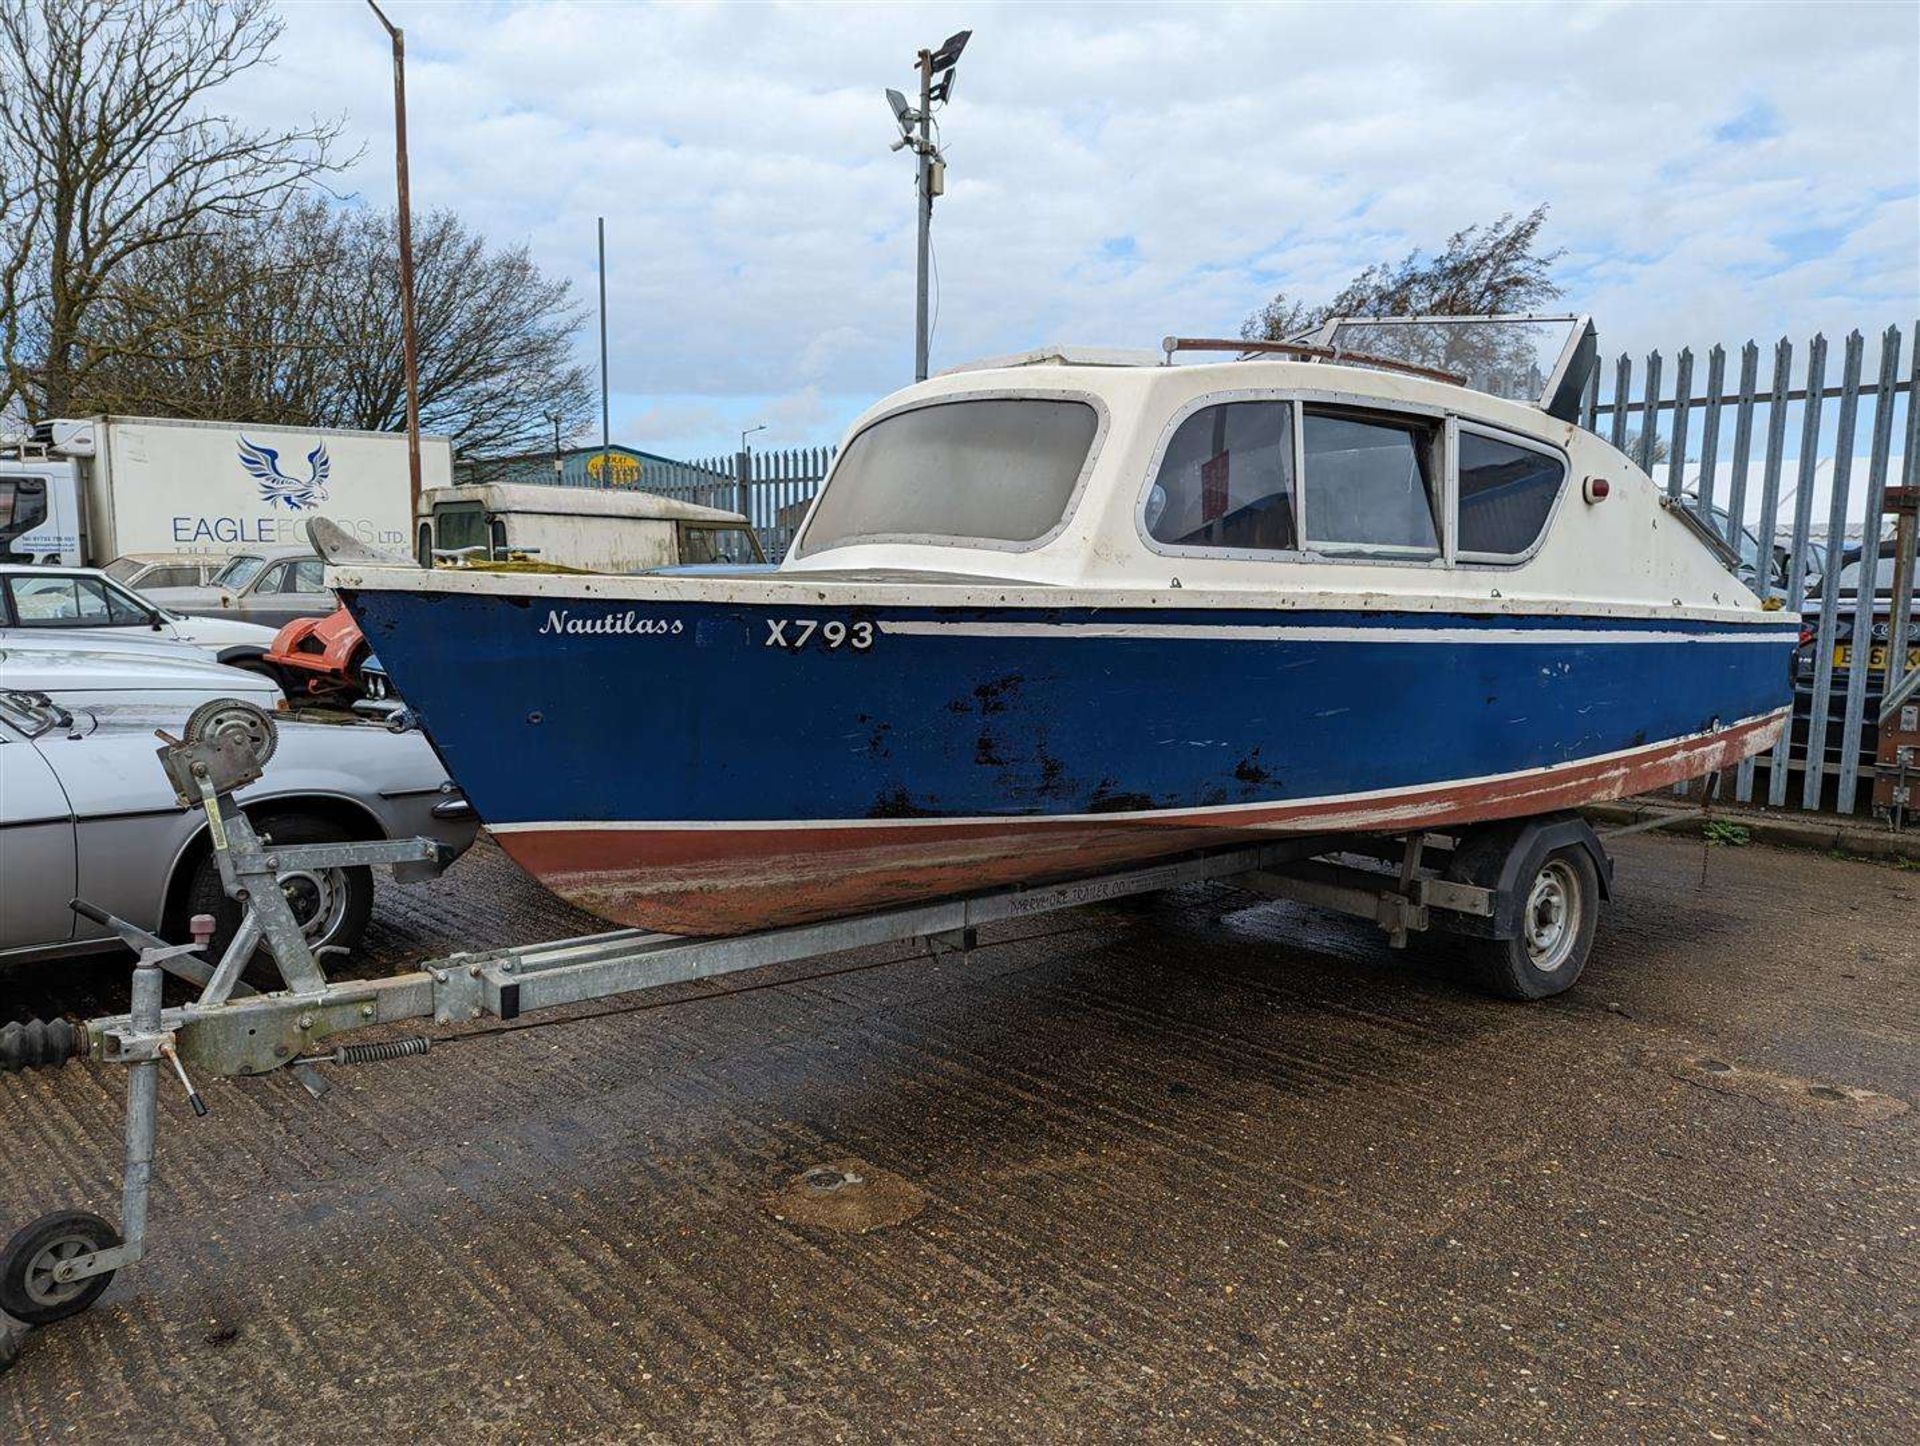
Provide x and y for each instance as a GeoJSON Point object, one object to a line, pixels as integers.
{"type": "Point", "coordinates": [82, 493]}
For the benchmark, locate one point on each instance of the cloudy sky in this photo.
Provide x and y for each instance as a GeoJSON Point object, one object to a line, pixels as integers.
{"type": "Point", "coordinates": [1118, 172]}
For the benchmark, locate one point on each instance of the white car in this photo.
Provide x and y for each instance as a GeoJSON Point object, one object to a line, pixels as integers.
{"type": "Point", "coordinates": [80, 671]}
{"type": "Point", "coordinates": [86, 602]}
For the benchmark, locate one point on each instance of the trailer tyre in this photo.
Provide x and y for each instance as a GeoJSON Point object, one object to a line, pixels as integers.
{"type": "Point", "coordinates": [28, 1290]}
{"type": "Point", "coordinates": [1559, 910]}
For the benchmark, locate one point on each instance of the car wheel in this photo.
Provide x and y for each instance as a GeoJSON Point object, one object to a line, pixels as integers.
{"type": "Point", "coordinates": [332, 905]}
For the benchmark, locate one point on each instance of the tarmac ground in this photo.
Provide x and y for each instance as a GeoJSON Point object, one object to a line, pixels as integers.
{"type": "Point", "coordinates": [1206, 1168]}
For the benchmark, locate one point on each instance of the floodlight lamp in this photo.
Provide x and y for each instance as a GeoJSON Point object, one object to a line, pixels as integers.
{"type": "Point", "coordinates": [942, 88]}
{"type": "Point", "coordinates": [901, 110]}
{"type": "Point", "coordinates": [949, 52]}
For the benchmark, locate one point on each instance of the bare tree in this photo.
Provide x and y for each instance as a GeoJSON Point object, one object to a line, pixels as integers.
{"type": "Point", "coordinates": [225, 325]}
{"type": "Point", "coordinates": [109, 151]}
{"type": "Point", "coordinates": [1484, 270]}
{"type": "Point", "coordinates": [496, 359]}
{"type": "Point", "coordinates": [296, 318]}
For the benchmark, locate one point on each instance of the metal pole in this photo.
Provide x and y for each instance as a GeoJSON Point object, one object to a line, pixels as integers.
{"type": "Point", "coordinates": [1904, 504]}
{"type": "Point", "coordinates": [606, 431]}
{"type": "Point", "coordinates": [408, 342]}
{"type": "Point", "coordinates": [924, 173]}
{"type": "Point", "coordinates": [1900, 617]}
{"type": "Point", "coordinates": [743, 474]}
{"type": "Point", "coordinates": [143, 1085]}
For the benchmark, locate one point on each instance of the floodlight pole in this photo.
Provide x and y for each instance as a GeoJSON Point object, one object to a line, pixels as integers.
{"type": "Point", "coordinates": [925, 188]}
{"type": "Point", "coordinates": [606, 430]}
{"type": "Point", "coordinates": [408, 344]}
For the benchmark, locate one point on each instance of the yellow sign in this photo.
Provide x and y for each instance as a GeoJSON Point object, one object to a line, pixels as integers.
{"type": "Point", "coordinates": [613, 469]}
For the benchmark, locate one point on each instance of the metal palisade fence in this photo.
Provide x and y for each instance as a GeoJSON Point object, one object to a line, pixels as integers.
{"type": "Point", "coordinates": [771, 489]}
{"type": "Point", "coordinates": [1794, 472]}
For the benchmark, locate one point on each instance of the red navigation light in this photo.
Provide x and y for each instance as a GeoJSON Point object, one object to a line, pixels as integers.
{"type": "Point", "coordinates": [1596, 489]}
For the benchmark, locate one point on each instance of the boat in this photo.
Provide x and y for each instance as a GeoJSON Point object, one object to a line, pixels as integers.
{"type": "Point", "coordinates": [1069, 610]}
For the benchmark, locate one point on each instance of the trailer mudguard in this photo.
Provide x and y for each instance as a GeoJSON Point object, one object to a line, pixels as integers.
{"type": "Point", "coordinates": [1504, 857]}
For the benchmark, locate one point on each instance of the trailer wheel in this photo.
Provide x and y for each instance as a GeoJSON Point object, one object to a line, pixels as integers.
{"type": "Point", "coordinates": [28, 1291]}
{"type": "Point", "coordinates": [1559, 909]}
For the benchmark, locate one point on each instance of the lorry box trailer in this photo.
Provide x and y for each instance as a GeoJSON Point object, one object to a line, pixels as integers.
{"type": "Point", "coordinates": [85, 492]}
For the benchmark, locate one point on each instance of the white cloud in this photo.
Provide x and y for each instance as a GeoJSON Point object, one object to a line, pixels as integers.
{"type": "Point", "coordinates": [762, 235]}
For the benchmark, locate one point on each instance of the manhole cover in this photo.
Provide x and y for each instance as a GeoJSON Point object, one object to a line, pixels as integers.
{"type": "Point", "coordinates": [823, 1179]}
{"type": "Point", "coordinates": [847, 1195]}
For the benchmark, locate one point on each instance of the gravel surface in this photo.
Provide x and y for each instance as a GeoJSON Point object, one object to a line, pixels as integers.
{"type": "Point", "coordinates": [1211, 1170]}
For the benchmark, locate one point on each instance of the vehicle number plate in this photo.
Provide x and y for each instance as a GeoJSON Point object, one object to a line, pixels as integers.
{"type": "Point", "coordinates": [1876, 660]}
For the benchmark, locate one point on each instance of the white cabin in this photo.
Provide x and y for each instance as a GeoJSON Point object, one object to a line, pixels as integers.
{"type": "Point", "coordinates": [1295, 479]}
{"type": "Point", "coordinates": [591, 528]}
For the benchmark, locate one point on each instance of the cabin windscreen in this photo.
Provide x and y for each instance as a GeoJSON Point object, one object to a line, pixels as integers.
{"type": "Point", "coordinates": [708, 545]}
{"type": "Point", "coordinates": [998, 471]}
{"type": "Point", "coordinates": [1543, 361]}
{"type": "Point", "coordinates": [458, 525]}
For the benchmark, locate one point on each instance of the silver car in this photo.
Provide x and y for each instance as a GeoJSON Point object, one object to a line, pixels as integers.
{"type": "Point", "coordinates": [86, 811]}
{"type": "Point", "coordinates": [270, 585]}
{"type": "Point", "coordinates": [77, 670]}
{"type": "Point", "coordinates": [142, 570]}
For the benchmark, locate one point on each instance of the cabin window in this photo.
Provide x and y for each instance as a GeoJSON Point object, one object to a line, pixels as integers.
{"type": "Point", "coordinates": [1370, 484]}
{"type": "Point", "coordinates": [989, 470]}
{"type": "Point", "coordinates": [458, 526]}
{"type": "Point", "coordinates": [1227, 480]}
{"type": "Point", "coordinates": [1507, 493]}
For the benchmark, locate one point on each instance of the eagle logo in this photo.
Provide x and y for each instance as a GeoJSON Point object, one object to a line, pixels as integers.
{"type": "Point", "coordinates": [276, 487]}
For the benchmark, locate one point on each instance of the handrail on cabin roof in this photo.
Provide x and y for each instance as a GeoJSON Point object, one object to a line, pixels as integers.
{"type": "Point", "coordinates": [1172, 344]}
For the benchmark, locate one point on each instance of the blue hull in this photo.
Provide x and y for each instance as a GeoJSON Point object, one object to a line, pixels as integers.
{"type": "Point", "coordinates": [729, 722]}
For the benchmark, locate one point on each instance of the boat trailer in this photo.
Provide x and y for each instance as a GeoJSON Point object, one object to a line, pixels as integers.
{"type": "Point", "coordinates": [1507, 883]}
